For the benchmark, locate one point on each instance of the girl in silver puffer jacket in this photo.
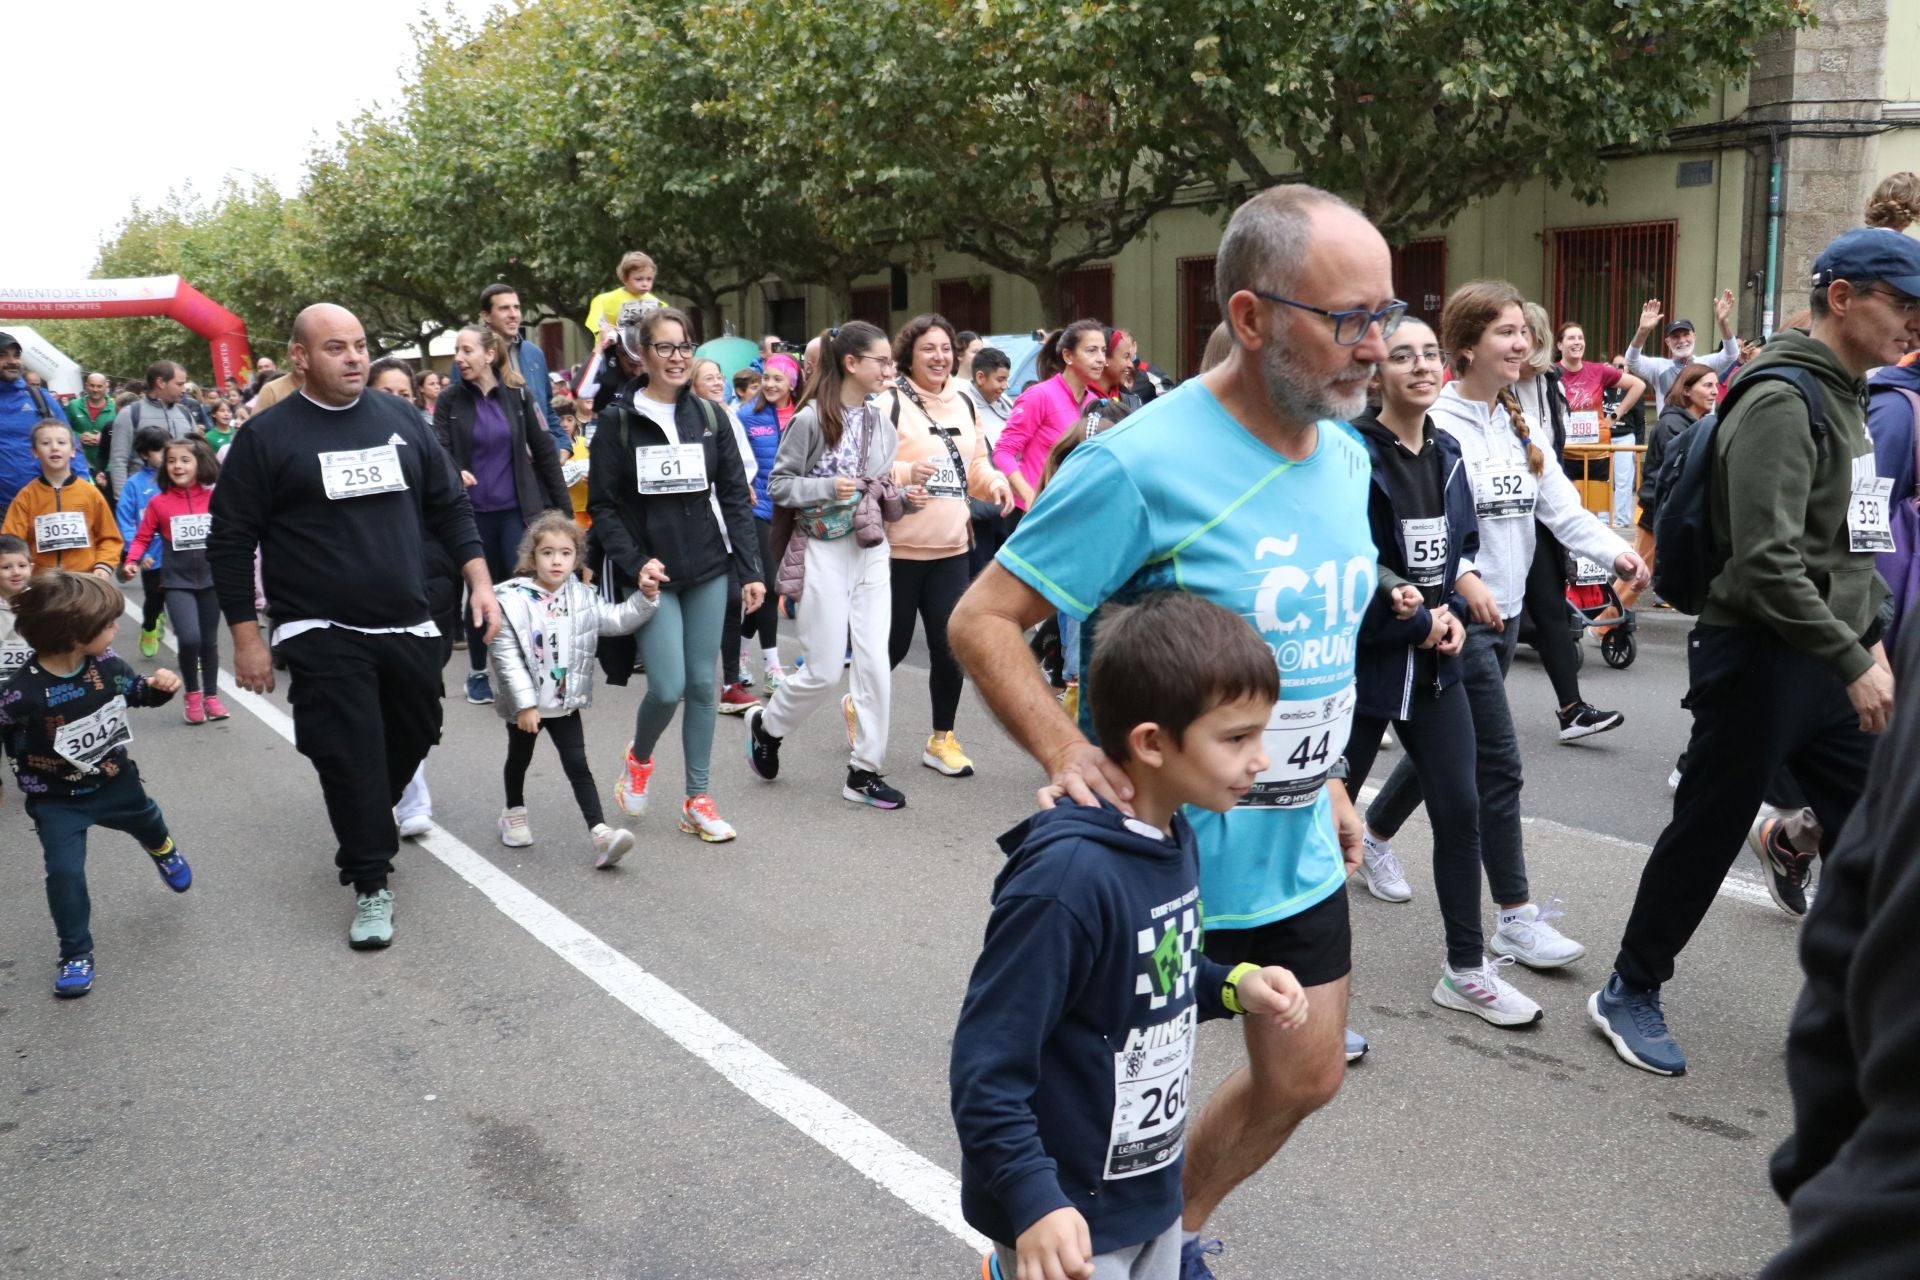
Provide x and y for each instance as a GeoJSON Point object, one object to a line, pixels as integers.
{"type": "Point", "coordinates": [542, 660]}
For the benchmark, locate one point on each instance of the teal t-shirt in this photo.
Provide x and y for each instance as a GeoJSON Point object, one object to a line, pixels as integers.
{"type": "Point", "coordinates": [1181, 496]}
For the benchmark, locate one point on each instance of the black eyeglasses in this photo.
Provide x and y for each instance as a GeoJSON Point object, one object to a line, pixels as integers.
{"type": "Point", "coordinates": [666, 349]}
{"type": "Point", "coordinates": [1349, 327]}
{"type": "Point", "coordinates": [1906, 304]}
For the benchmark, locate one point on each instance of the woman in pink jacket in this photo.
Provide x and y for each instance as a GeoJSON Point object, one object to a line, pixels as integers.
{"type": "Point", "coordinates": [1076, 359]}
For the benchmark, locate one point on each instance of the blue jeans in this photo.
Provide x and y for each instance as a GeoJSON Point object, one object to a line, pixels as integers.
{"type": "Point", "coordinates": [1069, 647]}
{"type": "Point", "coordinates": [121, 804]}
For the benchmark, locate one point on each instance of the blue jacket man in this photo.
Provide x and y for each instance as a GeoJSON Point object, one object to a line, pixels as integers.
{"type": "Point", "coordinates": [21, 406]}
{"type": "Point", "coordinates": [500, 312]}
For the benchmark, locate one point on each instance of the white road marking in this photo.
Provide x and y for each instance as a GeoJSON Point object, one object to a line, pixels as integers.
{"type": "Point", "coordinates": [904, 1173]}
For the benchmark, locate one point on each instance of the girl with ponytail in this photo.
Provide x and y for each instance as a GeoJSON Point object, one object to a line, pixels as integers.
{"type": "Point", "coordinates": [1072, 363]}
{"type": "Point", "coordinates": [1513, 481]}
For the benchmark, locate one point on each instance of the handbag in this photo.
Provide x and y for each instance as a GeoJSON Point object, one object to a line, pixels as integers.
{"type": "Point", "coordinates": [829, 521]}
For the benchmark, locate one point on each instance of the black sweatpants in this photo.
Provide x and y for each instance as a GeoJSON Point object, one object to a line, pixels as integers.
{"type": "Point", "coordinates": [1546, 609]}
{"type": "Point", "coordinates": [730, 632]}
{"type": "Point", "coordinates": [569, 736]}
{"type": "Point", "coordinates": [930, 588]}
{"type": "Point", "coordinates": [153, 598]}
{"type": "Point", "coordinates": [1758, 704]}
{"type": "Point", "coordinates": [366, 710]}
{"type": "Point", "coordinates": [195, 614]}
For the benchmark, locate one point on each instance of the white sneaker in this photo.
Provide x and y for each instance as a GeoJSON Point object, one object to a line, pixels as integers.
{"type": "Point", "coordinates": [1485, 994]}
{"type": "Point", "coordinates": [415, 825]}
{"type": "Point", "coordinates": [746, 670]}
{"type": "Point", "coordinates": [1381, 871]}
{"type": "Point", "coordinates": [1386, 740]}
{"type": "Point", "coordinates": [1673, 779]}
{"type": "Point", "coordinates": [610, 844]}
{"type": "Point", "coordinates": [1534, 942]}
{"type": "Point", "coordinates": [514, 831]}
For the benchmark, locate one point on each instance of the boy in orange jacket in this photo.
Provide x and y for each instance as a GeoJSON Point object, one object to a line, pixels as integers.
{"type": "Point", "coordinates": [65, 522]}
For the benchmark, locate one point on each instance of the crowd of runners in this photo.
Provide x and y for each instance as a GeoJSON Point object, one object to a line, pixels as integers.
{"type": "Point", "coordinates": [1201, 608]}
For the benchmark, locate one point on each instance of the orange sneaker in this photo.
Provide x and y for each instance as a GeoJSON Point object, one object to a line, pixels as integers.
{"type": "Point", "coordinates": [630, 791]}
{"type": "Point", "coordinates": [698, 817]}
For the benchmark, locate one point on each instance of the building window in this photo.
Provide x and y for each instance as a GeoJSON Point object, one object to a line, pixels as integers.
{"type": "Point", "coordinates": [1088, 294]}
{"type": "Point", "coordinates": [788, 318]}
{"type": "Point", "coordinates": [967, 303]}
{"type": "Point", "coordinates": [1420, 278]}
{"type": "Point", "coordinates": [552, 339]}
{"type": "Point", "coordinates": [1199, 312]}
{"type": "Point", "coordinates": [874, 305]}
{"type": "Point", "coordinates": [1599, 277]}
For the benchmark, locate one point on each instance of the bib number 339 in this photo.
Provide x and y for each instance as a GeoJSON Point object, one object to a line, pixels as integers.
{"type": "Point", "coordinates": [1869, 509]}
{"type": "Point", "coordinates": [360, 473]}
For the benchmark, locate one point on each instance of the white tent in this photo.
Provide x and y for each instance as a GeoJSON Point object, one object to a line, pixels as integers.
{"type": "Point", "coordinates": [50, 362]}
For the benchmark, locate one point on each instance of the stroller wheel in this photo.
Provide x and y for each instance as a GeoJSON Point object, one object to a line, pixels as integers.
{"type": "Point", "coordinates": [1619, 648]}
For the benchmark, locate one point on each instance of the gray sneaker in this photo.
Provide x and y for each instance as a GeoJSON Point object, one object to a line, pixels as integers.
{"type": "Point", "coordinates": [372, 926]}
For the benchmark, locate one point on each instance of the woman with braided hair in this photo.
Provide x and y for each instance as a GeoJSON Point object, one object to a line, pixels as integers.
{"type": "Point", "coordinates": [1515, 480]}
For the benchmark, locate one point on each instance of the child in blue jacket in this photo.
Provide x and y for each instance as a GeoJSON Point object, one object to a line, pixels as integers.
{"type": "Point", "coordinates": [151, 444]}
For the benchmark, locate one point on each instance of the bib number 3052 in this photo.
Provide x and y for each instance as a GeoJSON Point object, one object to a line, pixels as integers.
{"type": "Point", "coordinates": [60, 531]}
{"type": "Point", "coordinates": [360, 473]}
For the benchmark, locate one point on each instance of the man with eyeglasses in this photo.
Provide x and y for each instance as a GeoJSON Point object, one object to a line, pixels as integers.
{"type": "Point", "coordinates": [1244, 486]}
{"type": "Point", "coordinates": [1786, 666]}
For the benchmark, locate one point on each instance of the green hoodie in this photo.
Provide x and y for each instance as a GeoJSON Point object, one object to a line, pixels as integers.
{"type": "Point", "coordinates": [1780, 512]}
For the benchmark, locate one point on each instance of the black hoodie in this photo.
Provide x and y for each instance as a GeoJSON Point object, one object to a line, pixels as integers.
{"type": "Point", "coordinates": [1072, 1060]}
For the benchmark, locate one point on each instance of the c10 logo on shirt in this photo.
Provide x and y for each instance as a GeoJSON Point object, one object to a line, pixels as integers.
{"type": "Point", "coordinates": [1284, 605]}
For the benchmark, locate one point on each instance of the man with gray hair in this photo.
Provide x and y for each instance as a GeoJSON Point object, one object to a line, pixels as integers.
{"type": "Point", "coordinates": [161, 408]}
{"type": "Point", "coordinates": [1240, 486]}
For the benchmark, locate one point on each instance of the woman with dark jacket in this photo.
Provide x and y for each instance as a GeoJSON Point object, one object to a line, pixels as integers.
{"type": "Point", "coordinates": [487, 422]}
{"type": "Point", "coordinates": [1421, 508]}
{"type": "Point", "coordinates": [662, 455]}
{"type": "Point", "coordinates": [1694, 394]}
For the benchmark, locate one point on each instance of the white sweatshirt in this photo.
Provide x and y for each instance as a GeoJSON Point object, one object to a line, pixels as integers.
{"type": "Point", "coordinates": [1496, 462]}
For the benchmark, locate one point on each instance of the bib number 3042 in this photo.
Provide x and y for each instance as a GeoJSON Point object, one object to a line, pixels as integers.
{"type": "Point", "coordinates": [360, 473]}
{"type": "Point", "coordinates": [87, 741]}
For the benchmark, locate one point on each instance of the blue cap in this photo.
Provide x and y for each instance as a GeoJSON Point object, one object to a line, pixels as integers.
{"type": "Point", "coordinates": [1871, 253]}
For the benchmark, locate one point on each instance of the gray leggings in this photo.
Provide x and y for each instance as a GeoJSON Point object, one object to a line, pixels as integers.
{"type": "Point", "coordinates": [1484, 662]}
{"type": "Point", "coordinates": [681, 647]}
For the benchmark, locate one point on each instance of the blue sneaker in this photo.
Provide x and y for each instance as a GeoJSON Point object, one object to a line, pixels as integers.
{"type": "Point", "coordinates": [75, 978]}
{"type": "Point", "coordinates": [1193, 1259]}
{"type": "Point", "coordinates": [172, 867]}
{"type": "Point", "coordinates": [1633, 1022]}
{"type": "Point", "coordinates": [479, 691]}
{"type": "Point", "coordinates": [1356, 1045]}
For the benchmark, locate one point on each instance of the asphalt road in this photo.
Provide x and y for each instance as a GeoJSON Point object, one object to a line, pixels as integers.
{"type": "Point", "coordinates": [730, 1061]}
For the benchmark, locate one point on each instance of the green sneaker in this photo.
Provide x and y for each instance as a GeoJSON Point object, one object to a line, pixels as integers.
{"type": "Point", "coordinates": [372, 926]}
{"type": "Point", "coordinates": [150, 642]}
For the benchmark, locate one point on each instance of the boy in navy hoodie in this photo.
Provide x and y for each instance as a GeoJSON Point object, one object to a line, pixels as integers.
{"type": "Point", "coordinates": [1072, 1061]}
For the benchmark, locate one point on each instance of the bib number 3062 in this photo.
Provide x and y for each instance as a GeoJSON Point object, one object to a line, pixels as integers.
{"type": "Point", "coordinates": [360, 473]}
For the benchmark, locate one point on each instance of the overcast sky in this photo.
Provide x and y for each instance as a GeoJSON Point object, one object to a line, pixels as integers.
{"type": "Point", "coordinates": [115, 101]}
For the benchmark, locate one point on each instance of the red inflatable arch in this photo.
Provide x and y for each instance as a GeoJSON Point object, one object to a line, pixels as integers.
{"type": "Point", "coordinates": [168, 296]}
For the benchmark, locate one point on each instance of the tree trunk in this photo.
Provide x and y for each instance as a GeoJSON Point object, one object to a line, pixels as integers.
{"type": "Point", "coordinates": [1052, 288]}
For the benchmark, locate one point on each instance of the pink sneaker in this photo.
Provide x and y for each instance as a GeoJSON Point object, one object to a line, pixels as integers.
{"type": "Point", "coordinates": [196, 711]}
{"type": "Point", "coordinates": [216, 710]}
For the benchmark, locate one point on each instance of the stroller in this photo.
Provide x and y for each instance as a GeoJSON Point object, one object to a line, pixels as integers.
{"type": "Point", "coordinates": [1595, 606]}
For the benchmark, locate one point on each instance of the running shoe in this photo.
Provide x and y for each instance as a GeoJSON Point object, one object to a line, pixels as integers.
{"type": "Point", "coordinates": [74, 978]}
{"type": "Point", "coordinates": [943, 755]}
{"type": "Point", "coordinates": [1633, 1022]}
{"type": "Point", "coordinates": [372, 926]}
{"type": "Point", "coordinates": [734, 699]}
{"type": "Point", "coordinates": [610, 844]}
{"type": "Point", "coordinates": [851, 716]}
{"type": "Point", "coordinates": [1357, 1045]}
{"type": "Point", "coordinates": [746, 671]}
{"type": "Point", "coordinates": [1193, 1258]}
{"type": "Point", "coordinates": [1673, 779]}
{"type": "Point", "coordinates": [194, 710]}
{"type": "Point", "coordinates": [990, 1267]}
{"type": "Point", "coordinates": [216, 709]}
{"type": "Point", "coordinates": [149, 648]}
{"type": "Point", "coordinates": [1583, 720]}
{"type": "Point", "coordinates": [172, 867]}
{"type": "Point", "coordinates": [415, 825]}
{"type": "Point", "coordinates": [479, 690]}
{"type": "Point", "coordinates": [774, 677]}
{"type": "Point", "coordinates": [630, 788]}
{"type": "Point", "coordinates": [1533, 940]}
{"type": "Point", "coordinates": [698, 817]}
{"type": "Point", "coordinates": [864, 786]}
{"type": "Point", "coordinates": [763, 749]}
{"type": "Point", "coordinates": [1788, 872]}
{"type": "Point", "coordinates": [515, 831]}
{"type": "Point", "coordinates": [1485, 994]}
{"type": "Point", "coordinates": [1381, 871]}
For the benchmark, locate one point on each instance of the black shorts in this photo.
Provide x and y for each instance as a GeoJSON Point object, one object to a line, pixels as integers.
{"type": "Point", "coordinates": [1317, 944]}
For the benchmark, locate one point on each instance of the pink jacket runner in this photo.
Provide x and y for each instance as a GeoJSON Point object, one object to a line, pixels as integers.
{"type": "Point", "coordinates": [1043, 413]}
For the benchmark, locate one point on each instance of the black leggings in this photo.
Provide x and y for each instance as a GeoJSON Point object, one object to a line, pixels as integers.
{"type": "Point", "coordinates": [1546, 608]}
{"type": "Point", "coordinates": [500, 534]}
{"type": "Point", "coordinates": [764, 625]}
{"type": "Point", "coordinates": [195, 614]}
{"type": "Point", "coordinates": [730, 632]}
{"type": "Point", "coordinates": [931, 588]}
{"type": "Point", "coordinates": [153, 597]}
{"type": "Point", "coordinates": [569, 736]}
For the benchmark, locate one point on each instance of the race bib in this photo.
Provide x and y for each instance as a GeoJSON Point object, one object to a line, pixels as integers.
{"type": "Point", "coordinates": [13, 657]}
{"type": "Point", "coordinates": [360, 473]}
{"type": "Point", "coordinates": [1502, 490]}
{"type": "Point", "coordinates": [1583, 427]}
{"type": "Point", "coordinates": [672, 468]}
{"type": "Point", "coordinates": [573, 471]}
{"type": "Point", "coordinates": [87, 741]}
{"type": "Point", "coordinates": [189, 533]}
{"type": "Point", "coordinates": [60, 531]}
{"type": "Point", "coordinates": [1303, 739]}
{"type": "Point", "coordinates": [1424, 544]}
{"type": "Point", "coordinates": [1590, 573]}
{"type": "Point", "coordinates": [1151, 1077]}
{"type": "Point", "coordinates": [946, 482]}
{"type": "Point", "coordinates": [1868, 511]}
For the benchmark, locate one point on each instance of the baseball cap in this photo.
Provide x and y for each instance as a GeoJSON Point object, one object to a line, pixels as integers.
{"type": "Point", "coordinates": [1679, 326]}
{"type": "Point", "coordinates": [8, 340]}
{"type": "Point", "coordinates": [1871, 253]}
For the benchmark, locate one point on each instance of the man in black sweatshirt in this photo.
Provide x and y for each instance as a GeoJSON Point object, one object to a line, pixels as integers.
{"type": "Point", "coordinates": [338, 490]}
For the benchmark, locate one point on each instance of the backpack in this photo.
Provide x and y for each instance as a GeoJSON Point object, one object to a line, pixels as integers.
{"type": "Point", "coordinates": [1686, 561]}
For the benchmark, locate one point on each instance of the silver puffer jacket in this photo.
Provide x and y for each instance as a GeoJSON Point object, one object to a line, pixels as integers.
{"type": "Point", "coordinates": [522, 661]}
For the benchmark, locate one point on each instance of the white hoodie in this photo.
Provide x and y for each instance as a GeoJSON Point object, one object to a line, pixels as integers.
{"type": "Point", "coordinates": [1488, 446]}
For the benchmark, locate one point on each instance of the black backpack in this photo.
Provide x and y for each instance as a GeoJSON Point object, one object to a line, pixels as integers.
{"type": "Point", "coordinates": [1686, 561]}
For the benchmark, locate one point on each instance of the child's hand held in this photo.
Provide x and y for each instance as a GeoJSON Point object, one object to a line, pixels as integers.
{"type": "Point", "coordinates": [1055, 1247]}
{"type": "Point", "coordinates": [528, 721]}
{"type": "Point", "coordinates": [165, 681]}
{"type": "Point", "coordinates": [1275, 993]}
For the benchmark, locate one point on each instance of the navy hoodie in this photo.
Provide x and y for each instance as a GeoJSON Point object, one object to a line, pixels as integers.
{"type": "Point", "coordinates": [1072, 1060]}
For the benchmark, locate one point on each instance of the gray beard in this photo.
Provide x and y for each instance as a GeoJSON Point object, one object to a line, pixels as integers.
{"type": "Point", "coordinates": [1297, 396]}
